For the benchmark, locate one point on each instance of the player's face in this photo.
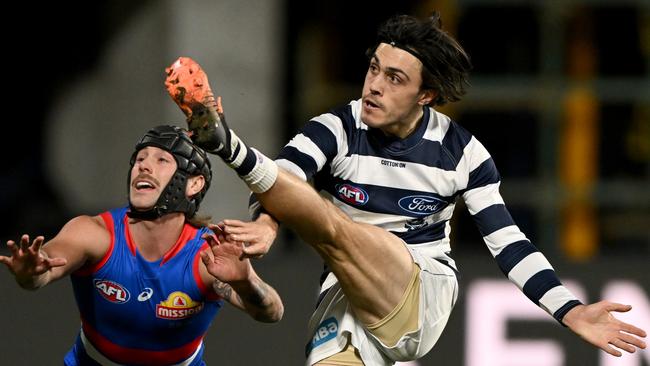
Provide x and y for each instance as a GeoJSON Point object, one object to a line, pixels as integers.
{"type": "Point", "coordinates": [391, 99]}
{"type": "Point", "coordinates": [152, 170]}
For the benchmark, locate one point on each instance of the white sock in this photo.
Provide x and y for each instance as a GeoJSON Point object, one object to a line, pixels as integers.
{"type": "Point", "coordinates": [256, 170]}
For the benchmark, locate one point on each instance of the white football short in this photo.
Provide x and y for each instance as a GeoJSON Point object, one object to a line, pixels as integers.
{"type": "Point", "coordinates": [333, 322]}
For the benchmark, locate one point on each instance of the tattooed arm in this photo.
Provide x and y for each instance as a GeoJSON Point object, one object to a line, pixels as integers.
{"type": "Point", "coordinates": [233, 278]}
{"type": "Point", "coordinates": [254, 296]}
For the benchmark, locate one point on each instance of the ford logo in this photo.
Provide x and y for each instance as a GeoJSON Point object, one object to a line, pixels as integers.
{"type": "Point", "coordinates": [422, 205]}
{"type": "Point", "coordinates": [351, 194]}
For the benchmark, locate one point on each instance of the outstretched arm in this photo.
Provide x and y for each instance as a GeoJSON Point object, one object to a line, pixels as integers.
{"type": "Point", "coordinates": [83, 239]}
{"type": "Point", "coordinates": [234, 279]}
{"type": "Point", "coordinates": [521, 261]}
{"type": "Point", "coordinates": [596, 325]}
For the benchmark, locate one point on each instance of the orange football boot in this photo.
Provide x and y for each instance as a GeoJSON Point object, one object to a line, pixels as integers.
{"type": "Point", "coordinates": [188, 86]}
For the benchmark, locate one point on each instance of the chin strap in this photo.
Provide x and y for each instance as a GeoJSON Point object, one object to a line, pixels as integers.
{"type": "Point", "coordinates": [148, 215]}
{"type": "Point", "coordinates": [172, 199]}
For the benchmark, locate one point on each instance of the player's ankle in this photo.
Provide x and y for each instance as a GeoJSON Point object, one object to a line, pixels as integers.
{"type": "Point", "coordinates": [263, 175]}
{"type": "Point", "coordinates": [256, 170]}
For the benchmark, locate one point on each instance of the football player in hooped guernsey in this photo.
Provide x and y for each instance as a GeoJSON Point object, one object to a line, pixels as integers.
{"type": "Point", "coordinates": [148, 278]}
{"type": "Point", "coordinates": [393, 168]}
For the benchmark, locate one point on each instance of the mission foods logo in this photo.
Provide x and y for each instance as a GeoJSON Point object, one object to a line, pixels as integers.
{"type": "Point", "coordinates": [112, 291]}
{"type": "Point", "coordinates": [351, 194]}
{"type": "Point", "coordinates": [422, 205]}
{"type": "Point", "coordinates": [178, 305]}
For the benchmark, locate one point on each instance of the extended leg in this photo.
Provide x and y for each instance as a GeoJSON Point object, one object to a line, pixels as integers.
{"type": "Point", "coordinates": [372, 265]}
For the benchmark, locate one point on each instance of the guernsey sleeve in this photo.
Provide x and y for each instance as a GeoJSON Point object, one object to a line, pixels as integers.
{"type": "Point", "coordinates": [515, 255]}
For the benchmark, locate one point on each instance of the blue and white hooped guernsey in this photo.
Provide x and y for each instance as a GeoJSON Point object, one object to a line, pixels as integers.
{"type": "Point", "coordinates": [138, 312]}
{"type": "Point", "coordinates": [409, 187]}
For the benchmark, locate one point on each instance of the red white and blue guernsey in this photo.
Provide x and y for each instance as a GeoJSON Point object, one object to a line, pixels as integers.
{"type": "Point", "coordinates": [137, 312]}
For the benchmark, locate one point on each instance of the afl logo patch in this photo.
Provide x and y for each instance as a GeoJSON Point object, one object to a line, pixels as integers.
{"type": "Point", "coordinates": [112, 291]}
{"type": "Point", "coordinates": [422, 205]}
{"type": "Point", "coordinates": [351, 194]}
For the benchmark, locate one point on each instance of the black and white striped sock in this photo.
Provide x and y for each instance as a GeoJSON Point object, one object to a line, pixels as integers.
{"type": "Point", "coordinates": [256, 170]}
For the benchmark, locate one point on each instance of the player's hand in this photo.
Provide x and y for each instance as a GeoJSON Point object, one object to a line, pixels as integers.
{"type": "Point", "coordinates": [595, 324]}
{"type": "Point", "coordinates": [224, 259]}
{"type": "Point", "coordinates": [28, 261]}
{"type": "Point", "coordinates": [258, 236]}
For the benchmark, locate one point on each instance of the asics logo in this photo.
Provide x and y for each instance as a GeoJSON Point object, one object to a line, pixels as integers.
{"type": "Point", "coordinates": [145, 294]}
{"type": "Point", "coordinates": [422, 205]}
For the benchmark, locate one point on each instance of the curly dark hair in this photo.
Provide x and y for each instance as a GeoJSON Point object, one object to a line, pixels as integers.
{"type": "Point", "coordinates": [445, 64]}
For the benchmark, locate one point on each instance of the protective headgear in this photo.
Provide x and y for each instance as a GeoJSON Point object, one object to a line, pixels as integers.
{"type": "Point", "coordinates": [191, 160]}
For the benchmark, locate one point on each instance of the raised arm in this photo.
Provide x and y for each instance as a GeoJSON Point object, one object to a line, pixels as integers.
{"type": "Point", "coordinates": [35, 264]}
{"type": "Point", "coordinates": [232, 277]}
{"type": "Point", "coordinates": [529, 269]}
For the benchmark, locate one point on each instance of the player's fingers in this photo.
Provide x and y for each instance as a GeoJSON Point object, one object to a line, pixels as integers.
{"type": "Point", "coordinates": [5, 260]}
{"type": "Point", "coordinates": [229, 229]}
{"type": "Point", "coordinates": [254, 251]}
{"type": "Point", "coordinates": [36, 244]}
{"type": "Point", "coordinates": [205, 257]}
{"type": "Point", "coordinates": [251, 256]}
{"type": "Point", "coordinates": [216, 227]}
{"type": "Point", "coordinates": [55, 262]}
{"type": "Point", "coordinates": [24, 242]}
{"type": "Point", "coordinates": [12, 247]}
{"type": "Point", "coordinates": [619, 343]}
{"type": "Point", "coordinates": [234, 232]}
{"type": "Point", "coordinates": [233, 222]}
{"type": "Point", "coordinates": [631, 341]}
{"type": "Point", "coordinates": [611, 350]}
{"type": "Point", "coordinates": [245, 237]}
{"type": "Point", "coordinates": [223, 238]}
{"type": "Point", "coordinates": [629, 328]}
{"type": "Point", "coordinates": [211, 239]}
{"type": "Point", "coordinates": [613, 306]}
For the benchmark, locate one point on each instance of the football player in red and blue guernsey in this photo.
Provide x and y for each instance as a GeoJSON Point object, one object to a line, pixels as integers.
{"type": "Point", "coordinates": [148, 278]}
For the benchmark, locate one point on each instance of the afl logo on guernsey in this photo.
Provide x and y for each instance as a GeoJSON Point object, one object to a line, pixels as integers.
{"type": "Point", "coordinates": [351, 194]}
{"type": "Point", "coordinates": [422, 205]}
{"type": "Point", "coordinates": [112, 291]}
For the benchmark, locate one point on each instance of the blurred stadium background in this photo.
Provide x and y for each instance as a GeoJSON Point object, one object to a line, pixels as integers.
{"type": "Point", "coordinates": [560, 96]}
